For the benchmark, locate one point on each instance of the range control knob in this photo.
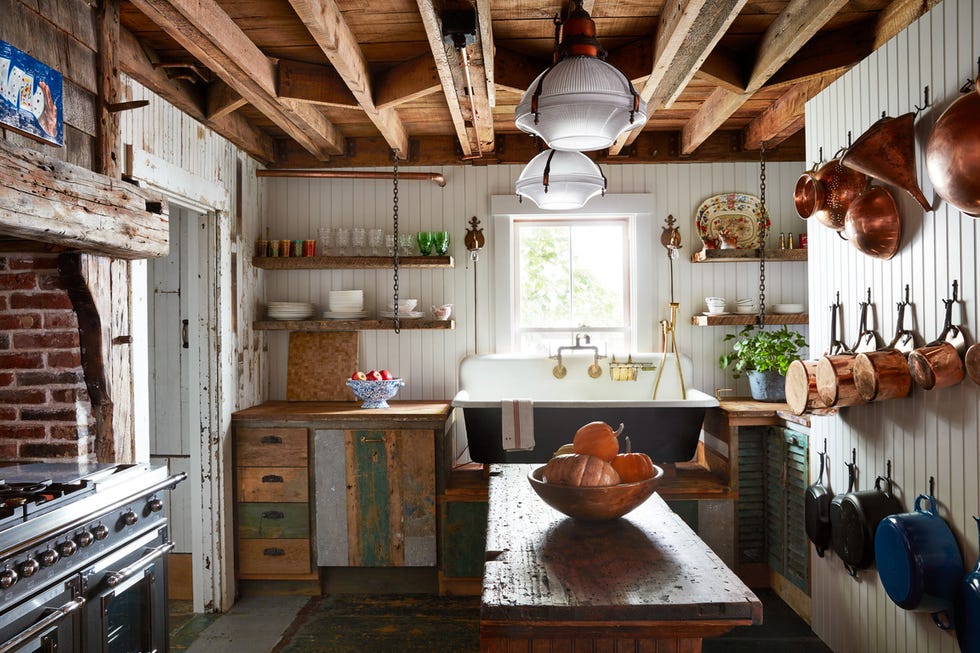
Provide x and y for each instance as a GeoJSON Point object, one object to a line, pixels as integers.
{"type": "Point", "coordinates": [48, 557]}
{"type": "Point", "coordinates": [101, 531]}
{"type": "Point", "coordinates": [155, 505]}
{"type": "Point", "coordinates": [129, 517]}
{"type": "Point", "coordinates": [84, 539]}
{"type": "Point", "coordinates": [7, 578]}
{"type": "Point", "coordinates": [68, 548]}
{"type": "Point", "coordinates": [29, 567]}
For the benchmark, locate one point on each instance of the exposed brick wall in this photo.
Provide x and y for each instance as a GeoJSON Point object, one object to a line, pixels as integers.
{"type": "Point", "coordinates": [45, 413]}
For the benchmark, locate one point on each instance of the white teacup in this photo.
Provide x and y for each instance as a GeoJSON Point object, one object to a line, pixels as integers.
{"type": "Point", "coordinates": [442, 312]}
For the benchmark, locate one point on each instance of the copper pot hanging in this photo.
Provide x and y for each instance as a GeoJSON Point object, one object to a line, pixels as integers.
{"type": "Point", "coordinates": [832, 189]}
{"type": "Point", "coordinates": [886, 151]}
{"type": "Point", "coordinates": [940, 363]}
{"type": "Point", "coordinates": [808, 193]}
{"type": "Point", "coordinates": [872, 223]}
{"type": "Point", "coordinates": [953, 153]}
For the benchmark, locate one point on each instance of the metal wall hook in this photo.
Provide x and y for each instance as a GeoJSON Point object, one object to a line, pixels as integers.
{"type": "Point", "coordinates": [932, 486]}
{"type": "Point", "coordinates": [925, 100]}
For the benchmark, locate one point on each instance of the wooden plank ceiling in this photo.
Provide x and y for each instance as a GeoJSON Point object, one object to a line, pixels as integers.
{"type": "Point", "coordinates": [343, 83]}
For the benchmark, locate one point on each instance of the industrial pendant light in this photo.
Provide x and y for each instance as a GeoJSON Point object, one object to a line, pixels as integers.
{"type": "Point", "coordinates": [560, 181]}
{"type": "Point", "coordinates": [580, 103]}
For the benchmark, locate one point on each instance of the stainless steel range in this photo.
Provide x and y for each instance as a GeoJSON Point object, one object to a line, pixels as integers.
{"type": "Point", "coordinates": [83, 558]}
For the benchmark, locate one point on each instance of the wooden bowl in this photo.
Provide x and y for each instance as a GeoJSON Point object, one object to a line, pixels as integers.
{"type": "Point", "coordinates": [594, 503]}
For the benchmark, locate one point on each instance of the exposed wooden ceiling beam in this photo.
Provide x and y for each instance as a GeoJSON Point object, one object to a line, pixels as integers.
{"type": "Point", "coordinates": [210, 35]}
{"type": "Point", "coordinates": [137, 62]}
{"type": "Point", "coordinates": [514, 72]}
{"type": "Point", "coordinates": [797, 24]}
{"type": "Point", "coordinates": [722, 68]}
{"type": "Point", "coordinates": [314, 83]}
{"type": "Point", "coordinates": [897, 16]}
{"type": "Point", "coordinates": [785, 116]}
{"type": "Point", "coordinates": [433, 32]}
{"type": "Point", "coordinates": [222, 100]}
{"type": "Point", "coordinates": [837, 50]}
{"type": "Point", "coordinates": [484, 28]}
{"type": "Point", "coordinates": [414, 79]}
{"type": "Point", "coordinates": [330, 30]}
{"type": "Point", "coordinates": [686, 34]}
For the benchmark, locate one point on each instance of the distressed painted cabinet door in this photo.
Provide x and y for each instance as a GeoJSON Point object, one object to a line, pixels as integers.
{"type": "Point", "coordinates": [375, 498]}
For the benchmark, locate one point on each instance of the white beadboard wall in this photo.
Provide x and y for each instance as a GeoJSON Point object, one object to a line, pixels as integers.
{"type": "Point", "coordinates": [296, 208]}
{"type": "Point", "coordinates": [931, 433]}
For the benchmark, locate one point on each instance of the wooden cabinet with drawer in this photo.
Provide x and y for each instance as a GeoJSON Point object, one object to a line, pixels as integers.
{"type": "Point", "coordinates": [272, 503]}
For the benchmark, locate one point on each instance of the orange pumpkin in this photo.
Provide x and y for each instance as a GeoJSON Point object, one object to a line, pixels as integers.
{"type": "Point", "coordinates": [597, 439]}
{"type": "Point", "coordinates": [580, 470]}
{"type": "Point", "coordinates": [633, 467]}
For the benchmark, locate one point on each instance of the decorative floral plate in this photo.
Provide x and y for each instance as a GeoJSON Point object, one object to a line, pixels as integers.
{"type": "Point", "coordinates": [736, 217]}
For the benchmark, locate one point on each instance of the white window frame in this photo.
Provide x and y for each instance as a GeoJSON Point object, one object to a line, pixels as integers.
{"type": "Point", "coordinates": [636, 207]}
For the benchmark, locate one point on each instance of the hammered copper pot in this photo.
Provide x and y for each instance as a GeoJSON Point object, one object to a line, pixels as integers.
{"type": "Point", "coordinates": [834, 188]}
{"type": "Point", "coordinates": [953, 153]}
{"type": "Point", "coordinates": [808, 195]}
{"type": "Point", "coordinates": [886, 151]}
{"type": "Point", "coordinates": [872, 223]}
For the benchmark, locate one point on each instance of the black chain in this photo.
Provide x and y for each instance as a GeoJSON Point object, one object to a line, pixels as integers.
{"type": "Point", "coordinates": [394, 220]}
{"type": "Point", "coordinates": [761, 317]}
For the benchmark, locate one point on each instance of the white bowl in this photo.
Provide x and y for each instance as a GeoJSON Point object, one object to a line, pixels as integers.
{"type": "Point", "coordinates": [404, 305]}
{"type": "Point", "coordinates": [787, 309]}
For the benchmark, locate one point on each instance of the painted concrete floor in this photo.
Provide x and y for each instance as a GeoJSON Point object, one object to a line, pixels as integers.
{"type": "Point", "coordinates": [270, 624]}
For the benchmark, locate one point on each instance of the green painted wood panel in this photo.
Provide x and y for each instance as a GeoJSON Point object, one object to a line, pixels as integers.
{"type": "Point", "coordinates": [372, 487]}
{"type": "Point", "coordinates": [273, 520]}
{"type": "Point", "coordinates": [751, 512]}
{"type": "Point", "coordinates": [462, 538]}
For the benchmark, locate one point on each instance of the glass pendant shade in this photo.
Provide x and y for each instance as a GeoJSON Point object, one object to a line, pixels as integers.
{"type": "Point", "coordinates": [583, 105]}
{"type": "Point", "coordinates": [560, 181]}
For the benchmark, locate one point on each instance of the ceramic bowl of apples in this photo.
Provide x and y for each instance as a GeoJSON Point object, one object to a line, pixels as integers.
{"type": "Point", "coordinates": [374, 388]}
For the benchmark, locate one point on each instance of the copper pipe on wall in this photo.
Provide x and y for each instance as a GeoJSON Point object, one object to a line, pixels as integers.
{"type": "Point", "coordinates": [354, 174]}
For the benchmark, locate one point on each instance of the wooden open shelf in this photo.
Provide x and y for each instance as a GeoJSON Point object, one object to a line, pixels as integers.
{"type": "Point", "coordinates": [350, 325]}
{"type": "Point", "coordinates": [743, 255]}
{"type": "Point", "coordinates": [349, 262]}
{"type": "Point", "coordinates": [738, 320]}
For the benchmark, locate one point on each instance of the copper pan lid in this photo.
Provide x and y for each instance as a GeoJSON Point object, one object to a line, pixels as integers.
{"type": "Point", "coordinates": [873, 224]}
{"type": "Point", "coordinates": [886, 151]}
{"type": "Point", "coordinates": [953, 153]}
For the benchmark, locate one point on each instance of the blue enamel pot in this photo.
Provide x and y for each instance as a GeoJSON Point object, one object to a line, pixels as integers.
{"type": "Point", "coordinates": [919, 561]}
{"type": "Point", "coordinates": [968, 609]}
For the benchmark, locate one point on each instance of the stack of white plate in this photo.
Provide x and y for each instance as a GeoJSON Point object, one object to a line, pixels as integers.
{"type": "Point", "coordinates": [290, 310]}
{"type": "Point", "coordinates": [345, 305]}
{"type": "Point", "coordinates": [746, 305]}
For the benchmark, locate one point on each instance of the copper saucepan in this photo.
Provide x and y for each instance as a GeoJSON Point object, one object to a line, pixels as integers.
{"type": "Point", "coordinates": [886, 151]}
{"type": "Point", "coordinates": [808, 193]}
{"type": "Point", "coordinates": [953, 153]}
{"type": "Point", "coordinates": [972, 362]}
{"type": "Point", "coordinates": [884, 374]}
{"type": "Point", "coordinates": [835, 372]}
{"type": "Point", "coordinates": [872, 223]}
{"type": "Point", "coordinates": [940, 363]}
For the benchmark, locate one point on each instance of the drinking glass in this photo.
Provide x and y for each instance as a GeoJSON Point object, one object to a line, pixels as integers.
{"type": "Point", "coordinates": [406, 244]}
{"type": "Point", "coordinates": [425, 242]}
{"type": "Point", "coordinates": [440, 240]}
{"type": "Point", "coordinates": [341, 240]}
{"type": "Point", "coordinates": [326, 240]}
{"type": "Point", "coordinates": [358, 240]}
{"type": "Point", "coordinates": [390, 244]}
{"type": "Point", "coordinates": [376, 239]}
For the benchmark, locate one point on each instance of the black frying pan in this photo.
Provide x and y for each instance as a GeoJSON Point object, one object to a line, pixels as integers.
{"type": "Point", "coordinates": [816, 509]}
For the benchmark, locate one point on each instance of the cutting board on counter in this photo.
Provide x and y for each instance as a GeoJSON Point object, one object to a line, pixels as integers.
{"type": "Point", "coordinates": [319, 365]}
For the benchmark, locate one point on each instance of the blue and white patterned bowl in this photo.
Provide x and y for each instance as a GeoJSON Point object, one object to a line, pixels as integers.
{"type": "Point", "coordinates": [375, 394]}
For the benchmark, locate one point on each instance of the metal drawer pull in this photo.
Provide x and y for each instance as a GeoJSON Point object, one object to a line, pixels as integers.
{"type": "Point", "coordinates": [271, 439]}
{"type": "Point", "coordinates": [365, 439]}
{"type": "Point", "coordinates": [272, 478]}
{"type": "Point", "coordinates": [117, 577]}
{"type": "Point", "coordinates": [20, 638]}
{"type": "Point", "coordinates": [274, 551]}
{"type": "Point", "coordinates": [273, 514]}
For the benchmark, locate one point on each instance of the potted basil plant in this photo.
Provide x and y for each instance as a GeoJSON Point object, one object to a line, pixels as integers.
{"type": "Point", "coordinates": [764, 356]}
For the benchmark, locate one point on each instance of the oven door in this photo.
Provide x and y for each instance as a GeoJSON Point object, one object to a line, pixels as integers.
{"type": "Point", "coordinates": [45, 623]}
{"type": "Point", "coordinates": [127, 598]}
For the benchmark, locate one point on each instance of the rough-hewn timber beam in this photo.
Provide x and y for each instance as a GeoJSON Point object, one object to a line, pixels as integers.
{"type": "Point", "coordinates": [314, 83]}
{"type": "Point", "coordinates": [330, 31]}
{"type": "Point", "coordinates": [897, 16]}
{"type": "Point", "coordinates": [209, 34]}
{"type": "Point", "coordinates": [514, 72]}
{"type": "Point", "coordinates": [785, 116]}
{"type": "Point", "coordinates": [722, 68]}
{"type": "Point", "coordinates": [51, 201]}
{"type": "Point", "coordinates": [137, 62]}
{"type": "Point", "coordinates": [414, 79]}
{"type": "Point", "coordinates": [838, 51]}
{"type": "Point", "coordinates": [222, 100]}
{"type": "Point", "coordinates": [797, 24]}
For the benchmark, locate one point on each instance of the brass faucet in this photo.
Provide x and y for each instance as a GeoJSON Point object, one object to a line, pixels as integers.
{"type": "Point", "coordinates": [595, 371]}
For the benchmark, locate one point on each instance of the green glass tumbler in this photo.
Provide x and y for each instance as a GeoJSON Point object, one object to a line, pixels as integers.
{"type": "Point", "coordinates": [425, 242]}
{"type": "Point", "coordinates": [440, 240]}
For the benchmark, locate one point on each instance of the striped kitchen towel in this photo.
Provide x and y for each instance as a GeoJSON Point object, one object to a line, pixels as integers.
{"type": "Point", "coordinates": [517, 421]}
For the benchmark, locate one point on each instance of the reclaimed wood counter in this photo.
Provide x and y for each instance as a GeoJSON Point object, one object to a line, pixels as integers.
{"type": "Point", "coordinates": [349, 414]}
{"type": "Point", "coordinates": [645, 582]}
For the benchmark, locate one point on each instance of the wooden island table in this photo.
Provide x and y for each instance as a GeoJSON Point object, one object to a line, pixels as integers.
{"type": "Point", "coordinates": [642, 583]}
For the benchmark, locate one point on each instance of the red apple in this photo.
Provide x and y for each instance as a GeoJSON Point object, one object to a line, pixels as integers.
{"type": "Point", "coordinates": [359, 376]}
{"type": "Point", "coordinates": [386, 375]}
{"type": "Point", "coordinates": [374, 375]}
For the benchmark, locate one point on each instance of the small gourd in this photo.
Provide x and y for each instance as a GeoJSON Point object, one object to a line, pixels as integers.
{"type": "Point", "coordinates": [597, 439]}
{"type": "Point", "coordinates": [565, 448]}
{"type": "Point", "coordinates": [633, 467]}
{"type": "Point", "coordinates": [579, 470]}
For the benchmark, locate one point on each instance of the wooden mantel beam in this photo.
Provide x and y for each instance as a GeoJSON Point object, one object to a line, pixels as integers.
{"type": "Point", "coordinates": [204, 29]}
{"type": "Point", "coordinates": [51, 201]}
{"type": "Point", "coordinates": [797, 24]}
{"type": "Point", "coordinates": [330, 31]}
